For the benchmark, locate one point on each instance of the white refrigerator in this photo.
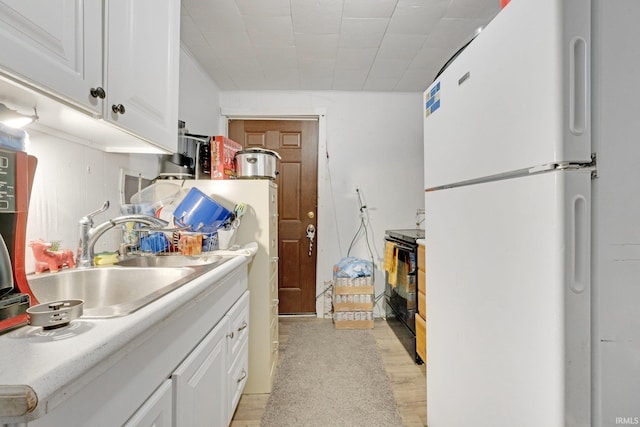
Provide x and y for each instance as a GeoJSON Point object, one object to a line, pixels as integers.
{"type": "Point", "coordinates": [532, 178]}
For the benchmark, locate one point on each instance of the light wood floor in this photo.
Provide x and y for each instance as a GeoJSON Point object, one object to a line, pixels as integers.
{"type": "Point", "coordinates": [406, 378]}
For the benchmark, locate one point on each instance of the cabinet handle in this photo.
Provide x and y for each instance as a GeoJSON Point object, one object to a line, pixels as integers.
{"type": "Point", "coordinates": [97, 92]}
{"type": "Point", "coordinates": [230, 335]}
{"type": "Point", "coordinates": [243, 376]}
{"type": "Point", "coordinates": [244, 326]}
{"type": "Point", "coordinates": [275, 345]}
{"type": "Point", "coordinates": [118, 108]}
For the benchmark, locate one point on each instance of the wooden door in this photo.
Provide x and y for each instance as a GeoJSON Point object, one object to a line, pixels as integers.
{"type": "Point", "coordinates": [297, 143]}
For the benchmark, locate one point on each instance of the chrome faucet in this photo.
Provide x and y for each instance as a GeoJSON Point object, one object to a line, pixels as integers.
{"type": "Point", "coordinates": [90, 234]}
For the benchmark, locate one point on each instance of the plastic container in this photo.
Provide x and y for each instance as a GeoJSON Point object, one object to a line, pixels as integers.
{"type": "Point", "coordinates": [226, 238]}
{"type": "Point", "coordinates": [154, 242]}
{"type": "Point", "coordinates": [200, 212]}
{"type": "Point", "coordinates": [158, 195]}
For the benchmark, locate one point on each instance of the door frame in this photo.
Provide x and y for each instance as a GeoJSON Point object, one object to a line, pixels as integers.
{"type": "Point", "coordinates": [302, 113]}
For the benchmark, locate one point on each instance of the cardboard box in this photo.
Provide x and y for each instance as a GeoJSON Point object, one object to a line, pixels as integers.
{"type": "Point", "coordinates": [357, 297]}
{"type": "Point", "coordinates": [353, 290]}
{"type": "Point", "coordinates": [353, 302]}
{"type": "Point", "coordinates": [353, 282]}
{"type": "Point", "coordinates": [353, 320]}
{"type": "Point", "coordinates": [223, 152]}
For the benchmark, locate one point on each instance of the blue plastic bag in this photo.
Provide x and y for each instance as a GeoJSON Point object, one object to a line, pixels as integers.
{"type": "Point", "coordinates": [352, 267]}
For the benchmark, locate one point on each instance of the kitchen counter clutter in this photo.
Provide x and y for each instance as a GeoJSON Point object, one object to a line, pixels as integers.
{"type": "Point", "coordinates": [134, 369]}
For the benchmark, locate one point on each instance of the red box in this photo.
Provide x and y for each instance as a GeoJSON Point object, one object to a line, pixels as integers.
{"type": "Point", "coordinates": [223, 152]}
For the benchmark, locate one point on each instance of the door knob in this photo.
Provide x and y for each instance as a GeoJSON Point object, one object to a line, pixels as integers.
{"type": "Point", "coordinates": [310, 215]}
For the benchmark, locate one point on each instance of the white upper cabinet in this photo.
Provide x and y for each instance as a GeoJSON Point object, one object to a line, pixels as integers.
{"type": "Point", "coordinates": [55, 46]}
{"type": "Point", "coordinates": [115, 60]}
{"type": "Point", "coordinates": [141, 67]}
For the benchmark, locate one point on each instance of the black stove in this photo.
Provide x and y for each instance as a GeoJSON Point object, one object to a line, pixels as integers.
{"type": "Point", "coordinates": [409, 235]}
{"type": "Point", "coordinates": [401, 296]}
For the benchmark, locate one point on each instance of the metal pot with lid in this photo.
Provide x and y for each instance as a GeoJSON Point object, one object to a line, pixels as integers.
{"type": "Point", "coordinates": [256, 163]}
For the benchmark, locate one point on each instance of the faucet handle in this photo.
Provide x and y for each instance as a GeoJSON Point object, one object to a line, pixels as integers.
{"type": "Point", "coordinates": [104, 207]}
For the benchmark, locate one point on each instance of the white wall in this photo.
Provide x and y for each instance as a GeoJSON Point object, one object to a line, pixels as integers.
{"type": "Point", "coordinates": [72, 180]}
{"type": "Point", "coordinates": [373, 141]}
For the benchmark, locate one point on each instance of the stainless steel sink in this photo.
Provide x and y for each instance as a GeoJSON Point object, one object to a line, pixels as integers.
{"type": "Point", "coordinates": [114, 291]}
{"type": "Point", "coordinates": [170, 260]}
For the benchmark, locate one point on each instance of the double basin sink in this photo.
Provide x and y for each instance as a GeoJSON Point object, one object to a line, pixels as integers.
{"type": "Point", "coordinates": [121, 289]}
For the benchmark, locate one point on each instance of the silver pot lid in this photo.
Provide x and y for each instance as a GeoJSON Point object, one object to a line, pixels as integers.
{"type": "Point", "coordinates": [259, 151]}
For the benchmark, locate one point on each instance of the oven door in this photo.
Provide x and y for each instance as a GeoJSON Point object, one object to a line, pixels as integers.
{"type": "Point", "coordinates": [401, 290]}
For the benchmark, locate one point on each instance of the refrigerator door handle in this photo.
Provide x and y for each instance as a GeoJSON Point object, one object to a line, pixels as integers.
{"type": "Point", "coordinates": [580, 243]}
{"type": "Point", "coordinates": [578, 85]}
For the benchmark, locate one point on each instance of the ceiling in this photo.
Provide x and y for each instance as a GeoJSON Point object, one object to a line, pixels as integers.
{"type": "Point", "coordinates": [352, 45]}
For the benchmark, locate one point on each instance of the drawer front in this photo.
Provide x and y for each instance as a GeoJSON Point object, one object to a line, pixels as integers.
{"type": "Point", "coordinates": [421, 258]}
{"type": "Point", "coordinates": [238, 332]}
{"type": "Point", "coordinates": [273, 224]}
{"type": "Point", "coordinates": [422, 304]}
{"type": "Point", "coordinates": [421, 338]}
{"type": "Point", "coordinates": [238, 374]}
{"type": "Point", "coordinates": [275, 343]}
{"type": "Point", "coordinates": [422, 281]}
{"type": "Point", "coordinates": [273, 267]}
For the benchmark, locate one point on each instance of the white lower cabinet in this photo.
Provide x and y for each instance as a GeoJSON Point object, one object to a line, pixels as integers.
{"type": "Point", "coordinates": [156, 411]}
{"type": "Point", "coordinates": [187, 368]}
{"type": "Point", "coordinates": [237, 375]}
{"type": "Point", "coordinates": [199, 383]}
{"type": "Point", "coordinates": [208, 383]}
{"type": "Point", "coordinates": [237, 353]}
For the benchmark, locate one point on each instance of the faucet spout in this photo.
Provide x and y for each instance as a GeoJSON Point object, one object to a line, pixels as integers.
{"type": "Point", "coordinates": [89, 234]}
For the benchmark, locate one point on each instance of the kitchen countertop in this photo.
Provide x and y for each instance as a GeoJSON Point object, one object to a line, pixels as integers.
{"type": "Point", "coordinates": [44, 368]}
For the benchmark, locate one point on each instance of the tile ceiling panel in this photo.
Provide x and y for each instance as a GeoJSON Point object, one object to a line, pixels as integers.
{"type": "Point", "coordinates": [277, 57]}
{"type": "Point", "coordinates": [270, 31]}
{"type": "Point", "coordinates": [351, 59]}
{"type": "Point", "coordinates": [316, 17]}
{"type": "Point", "coordinates": [401, 46]}
{"type": "Point", "coordinates": [368, 8]}
{"type": "Point", "coordinates": [416, 16]}
{"type": "Point", "coordinates": [389, 68]}
{"type": "Point", "coordinates": [322, 43]}
{"type": "Point", "coordinates": [371, 45]}
{"type": "Point", "coordinates": [263, 7]}
{"type": "Point", "coordinates": [362, 33]}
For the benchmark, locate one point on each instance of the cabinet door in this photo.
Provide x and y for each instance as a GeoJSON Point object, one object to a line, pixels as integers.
{"type": "Point", "coordinates": [238, 373]}
{"type": "Point", "coordinates": [238, 326]}
{"type": "Point", "coordinates": [156, 411]}
{"type": "Point", "coordinates": [200, 382]}
{"type": "Point", "coordinates": [142, 64]}
{"type": "Point", "coordinates": [54, 45]}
